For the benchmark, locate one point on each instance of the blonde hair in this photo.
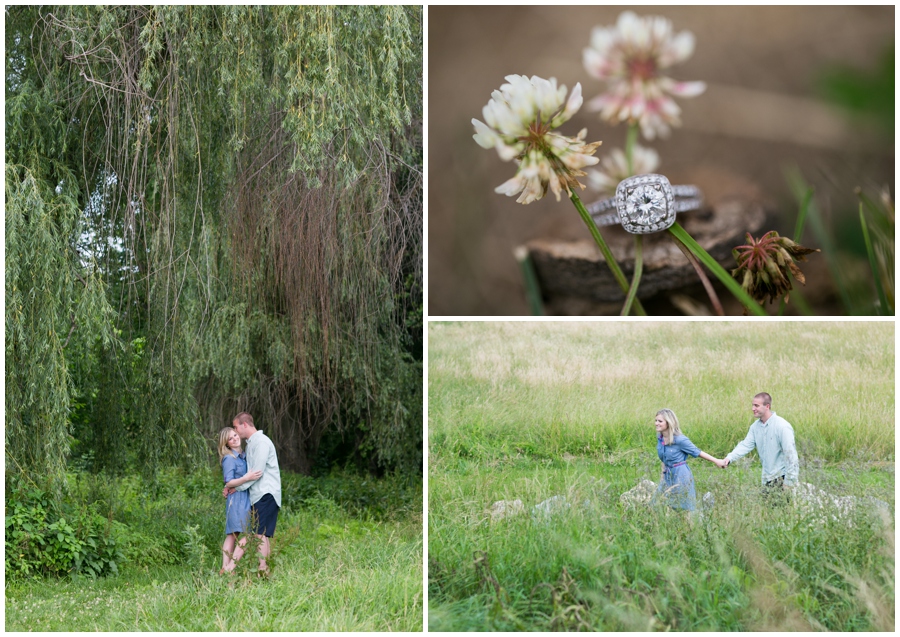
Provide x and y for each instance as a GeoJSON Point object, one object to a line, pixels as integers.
{"type": "Point", "coordinates": [673, 429]}
{"type": "Point", "coordinates": [224, 449]}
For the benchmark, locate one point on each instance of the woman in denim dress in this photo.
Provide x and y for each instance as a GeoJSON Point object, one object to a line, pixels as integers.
{"type": "Point", "coordinates": [673, 449]}
{"type": "Point", "coordinates": [237, 506]}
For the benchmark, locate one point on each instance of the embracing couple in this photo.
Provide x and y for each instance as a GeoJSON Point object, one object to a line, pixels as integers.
{"type": "Point", "coordinates": [771, 436]}
{"type": "Point", "coordinates": [252, 490]}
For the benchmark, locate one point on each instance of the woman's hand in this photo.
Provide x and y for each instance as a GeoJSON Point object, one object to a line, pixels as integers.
{"type": "Point", "coordinates": [253, 475]}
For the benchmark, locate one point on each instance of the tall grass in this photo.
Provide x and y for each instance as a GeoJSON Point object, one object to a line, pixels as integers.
{"type": "Point", "coordinates": [528, 411]}
{"type": "Point", "coordinates": [540, 389]}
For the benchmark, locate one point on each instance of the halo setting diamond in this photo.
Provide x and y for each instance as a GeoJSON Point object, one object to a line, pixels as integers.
{"type": "Point", "coordinates": [645, 204]}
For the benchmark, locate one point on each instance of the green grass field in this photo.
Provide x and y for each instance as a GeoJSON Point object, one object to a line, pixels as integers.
{"type": "Point", "coordinates": [348, 559]}
{"type": "Point", "coordinates": [532, 410]}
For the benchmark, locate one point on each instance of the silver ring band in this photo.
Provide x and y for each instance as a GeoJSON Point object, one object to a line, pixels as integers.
{"type": "Point", "coordinates": [645, 204]}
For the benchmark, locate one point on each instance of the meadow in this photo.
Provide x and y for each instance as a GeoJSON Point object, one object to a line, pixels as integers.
{"type": "Point", "coordinates": [347, 556]}
{"type": "Point", "coordinates": [532, 410]}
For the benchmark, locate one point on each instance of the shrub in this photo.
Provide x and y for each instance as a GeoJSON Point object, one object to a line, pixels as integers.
{"type": "Point", "coordinates": [44, 539]}
{"type": "Point", "coordinates": [382, 498]}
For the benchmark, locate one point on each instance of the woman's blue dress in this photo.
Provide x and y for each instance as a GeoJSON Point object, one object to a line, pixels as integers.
{"type": "Point", "coordinates": [237, 505]}
{"type": "Point", "coordinates": [677, 484]}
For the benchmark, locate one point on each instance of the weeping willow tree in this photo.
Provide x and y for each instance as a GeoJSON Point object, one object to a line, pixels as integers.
{"type": "Point", "coordinates": [226, 208]}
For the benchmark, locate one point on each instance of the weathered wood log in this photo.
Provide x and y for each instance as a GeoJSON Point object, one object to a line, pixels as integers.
{"type": "Point", "coordinates": [577, 270]}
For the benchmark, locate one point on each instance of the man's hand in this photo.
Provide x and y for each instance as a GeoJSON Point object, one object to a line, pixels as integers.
{"type": "Point", "coordinates": [725, 462]}
{"type": "Point", "coordinates": [227, 491]}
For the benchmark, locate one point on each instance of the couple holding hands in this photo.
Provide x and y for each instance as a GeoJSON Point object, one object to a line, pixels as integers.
{"type": "Point", "coordinates": [771, 436]}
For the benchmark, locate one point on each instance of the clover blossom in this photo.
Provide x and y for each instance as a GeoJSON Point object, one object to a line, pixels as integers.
{"type": "Point", "coordinates": [519, 119]}
{"type": "Point", "coordinates": [763, 265]}
{"type": "Point", "coordinates": [614, 168]}
{"type": "Point", "coordinates": [630, 57]}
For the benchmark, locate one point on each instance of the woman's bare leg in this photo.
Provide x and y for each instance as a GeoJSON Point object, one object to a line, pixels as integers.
{"type": "Point", "coordinates": [227, 548]}
{"type": "Point", "coordinates": [238, 552]}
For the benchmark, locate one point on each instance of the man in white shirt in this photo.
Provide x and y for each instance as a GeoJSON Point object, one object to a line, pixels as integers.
{"type": "Point", "coordinates": [265, 493]}
{"type": "Point", "coordinates": [773, 439]}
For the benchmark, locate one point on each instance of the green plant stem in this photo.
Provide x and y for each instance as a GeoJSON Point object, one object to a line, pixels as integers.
{"type": "Point", "coordinates": [607, 254]}
{"type": "Point", "coordinates": [798, 232]}
{"type": "Point", "coordinates": [707, 284]}
{"type": "Point", "coordinates": [636, 278]}
{"type": "Point", "coordinates": [630, 140]}
{"type": "Point", "coordinates": [727, 280]}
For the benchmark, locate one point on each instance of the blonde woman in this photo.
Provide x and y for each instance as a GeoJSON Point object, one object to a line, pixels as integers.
{"type": "Point", "coordinates": [673, 449]}
{"type": "Point", "coordinates": [237, 507]}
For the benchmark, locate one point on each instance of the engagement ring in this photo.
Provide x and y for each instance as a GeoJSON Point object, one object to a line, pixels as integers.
{"type": "Point", "coordinates": [645, 204]}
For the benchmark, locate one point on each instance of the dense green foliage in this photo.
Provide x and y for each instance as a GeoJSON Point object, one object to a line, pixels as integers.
{"type": "Point", "coordinates": [213, 209]}
{"type": "Point", "coordinates": [46, 538]}
{"type": "Point", "coordinates": [106, 522]}
{"type": "Point", "coordinates": [347, 556]}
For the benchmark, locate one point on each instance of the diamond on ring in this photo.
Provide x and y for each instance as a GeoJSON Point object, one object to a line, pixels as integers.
{"type": "Point", "coordinates": [645, 204]}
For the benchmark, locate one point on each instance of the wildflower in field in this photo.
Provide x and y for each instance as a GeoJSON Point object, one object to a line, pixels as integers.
{"type": "Point", "coordinates": [519, 120]}
{"type": "Point", "coordinates": [614, 168]}
{"type": "Point", "coordinates": [763, 265]}
{"type": "Point", "coordinates": [630, 57]}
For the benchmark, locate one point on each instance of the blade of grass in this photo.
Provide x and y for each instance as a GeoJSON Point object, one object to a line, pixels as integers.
{"type": "Point", "coordinates": [882, 299]}
{"type": "Point", "coordinates": [727, 280]}
{"type": "Point", "coordinates": [707, 285]}
{"type": "Point", "coordinates": [801, 214]}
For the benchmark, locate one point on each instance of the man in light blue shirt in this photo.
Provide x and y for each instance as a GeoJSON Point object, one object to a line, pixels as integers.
{"type": "Point", "coordinates": [773, 439]}
{"type": "Point", "coordinates": [265, 493]}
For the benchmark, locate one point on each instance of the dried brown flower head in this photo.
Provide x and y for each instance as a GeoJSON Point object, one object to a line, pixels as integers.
{"type": "Point", "coordinates": [763, 265]}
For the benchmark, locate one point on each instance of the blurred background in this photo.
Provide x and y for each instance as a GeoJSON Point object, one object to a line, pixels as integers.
{"type": "Point", "coordinates": [796, 97]}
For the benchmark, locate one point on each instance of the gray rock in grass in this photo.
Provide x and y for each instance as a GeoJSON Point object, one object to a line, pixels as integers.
{"type": "Point", "coordinates": [551, 506]}
{"type": "Point", "coordinates": [506, 508]}
{"type": "Point", "coordinates": [641, 494]}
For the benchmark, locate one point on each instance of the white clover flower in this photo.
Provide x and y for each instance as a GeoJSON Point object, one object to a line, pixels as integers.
{"type": "Point", "coordinates": [614, 168]}
{"type": "Point", "coordinates": [630, 57]}
{"type": "Point", "coordinates": [519, 119]}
